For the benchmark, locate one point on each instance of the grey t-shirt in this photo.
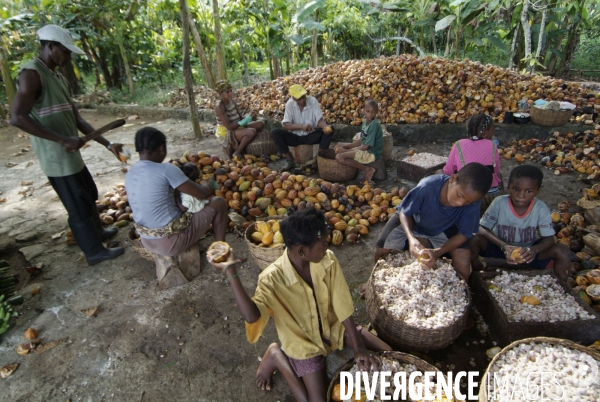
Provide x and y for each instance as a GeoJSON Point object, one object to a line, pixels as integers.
{"type": "Point", "coordinates": [521, 231]}
{"type": "Point", "coordinates": [150, 187]}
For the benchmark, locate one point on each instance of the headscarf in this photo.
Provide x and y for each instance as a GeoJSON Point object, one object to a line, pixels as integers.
{"type": "Point", "coordinates": [222, 86]}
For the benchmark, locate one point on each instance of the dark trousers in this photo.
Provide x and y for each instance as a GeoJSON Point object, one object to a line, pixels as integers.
{"type": "Point", "coordinates": [285, 139]}
{"type": "Point", "coordinates": [78, 193]}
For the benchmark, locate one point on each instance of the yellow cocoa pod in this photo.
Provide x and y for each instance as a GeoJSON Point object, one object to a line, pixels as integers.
{"type": "Point", "coordinates": [267, 238]}
{"type": "Point", "coordinates": [362, 229]}
{"type": "Point", "coordinates": [350, 190]}
{"type": "Point", "coordinates": [263, 227]}
{"type": "Point", "coordinates": [286, 202]}
{"type": "Point", "coordinates": [312, 190]}
{"type": "Point", "coordinates": [281, 211]}
{"type": "Point", "coordinates": [275, 227]}
{"type": "Point", "coordinates": [322, 197]}
{"type": "Point", "coordinates": [363, 222]}
{"type": "Point", "coordinates": [271, 211]}
{"type": "Point", "coordinates": [341, 225]}
{"type": "Point", "coordinates": [335, 204]}
{"type": "Point", "coordinates": [337, 237]}
{"type": "Point", "coordinates": [278, 237]}
{"type": "Point", "coordinates": [534, 301]}
{"type": "Point", "coordinates": [256, 237]}
{"type": "Point", "coordinates": [376, 212]}
{"type": "Point", "coordinates": [555, 217]}
{"type": "Point", "coordinates": [281, 194]}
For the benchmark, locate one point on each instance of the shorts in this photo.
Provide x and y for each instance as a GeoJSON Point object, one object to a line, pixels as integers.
{"type": "Point", "coordinates": [176, 244]}
{"type": "Point", "coordinates": [393, 236]}
{"type": "Point", "coordinates": [363, 157]}
{"type": "Point", "coordinates": [312, 365]}
{"type": "Point", "coordinates": [494, 251]}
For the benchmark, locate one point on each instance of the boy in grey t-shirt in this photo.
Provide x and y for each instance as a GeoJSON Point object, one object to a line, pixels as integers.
{"type": "Point", "coordinates": [518, 227]}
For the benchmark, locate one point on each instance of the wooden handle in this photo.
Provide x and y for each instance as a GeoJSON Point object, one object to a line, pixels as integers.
{"type": "Point", "coordinates": [104, 129]}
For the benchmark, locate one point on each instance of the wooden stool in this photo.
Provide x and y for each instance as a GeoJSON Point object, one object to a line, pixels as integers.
{"type": "Point", "coordinates": [380, 172]}
{"type": "Point", "coordinates": [177, 270]}
{"type": "Point", "coordinates": [303, 153]}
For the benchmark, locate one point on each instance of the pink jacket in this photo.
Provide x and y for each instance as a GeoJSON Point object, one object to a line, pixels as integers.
{"type": "Point", "coordinates": [483, 151]}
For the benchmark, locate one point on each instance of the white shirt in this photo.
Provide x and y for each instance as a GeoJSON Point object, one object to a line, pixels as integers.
{"type": "Point", "coordinates": [192, 203]}
{"type": "Point", "coordinates": [310, 115]}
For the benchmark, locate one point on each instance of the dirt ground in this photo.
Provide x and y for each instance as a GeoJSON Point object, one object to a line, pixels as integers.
{"type": "Point", "coordinates": [186, 343]}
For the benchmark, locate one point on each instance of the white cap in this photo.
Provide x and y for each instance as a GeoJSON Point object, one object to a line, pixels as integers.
{"type": "Point", "coordinates": [55, 33]}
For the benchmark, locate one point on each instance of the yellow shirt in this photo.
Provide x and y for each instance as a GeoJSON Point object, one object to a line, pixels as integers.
{"type": "Point", "coordinates": [282, 294]}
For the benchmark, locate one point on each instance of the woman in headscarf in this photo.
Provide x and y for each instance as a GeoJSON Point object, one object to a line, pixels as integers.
{"type": "Point", "coordinates": [233, 132]}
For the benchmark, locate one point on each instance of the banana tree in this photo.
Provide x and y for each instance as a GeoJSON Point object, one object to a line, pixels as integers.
{"type": "Point", "coordinates": [304, 18]}
{"type": "Point", "coordinates": [460, 13]}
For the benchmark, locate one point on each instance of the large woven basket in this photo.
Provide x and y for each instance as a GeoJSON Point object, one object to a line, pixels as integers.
{"type": "Point", "coordinates": [483, 391]}
{"type": "Point", "coordinates": [137, 246]}
{"type": "Point", "coordinates": [303, 153]}
{"type": "Point", "coordinates": [263, 256]}
{"type": "Point", "coordinates": [331, 170]}
{"type": "Point", "coordinates": [549, 118]}
{"type": "Point", "coordinates": [420, 364]}
{"type": "Point", "coordinates": [262, 144]}
{"type": "Point", "coordinates": [407, 337]}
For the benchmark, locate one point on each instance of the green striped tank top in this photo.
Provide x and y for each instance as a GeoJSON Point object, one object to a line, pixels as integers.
{"type": "Point", "coordinates": [53, 111]}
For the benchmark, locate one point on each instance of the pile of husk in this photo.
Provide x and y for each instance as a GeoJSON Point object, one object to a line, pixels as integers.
{"type": "Point", "coordinates": [581, 233]}
{"type": "Point", "coordinates": [562, 152]}
{"type": "Point", "coordinates": [412, 89]}
{"type": "Point", "coordinates": [205, 97]}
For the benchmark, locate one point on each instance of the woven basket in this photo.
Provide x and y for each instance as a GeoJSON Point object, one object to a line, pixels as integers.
{"type": "Point", "coordinates": [404, 336]}
{"type": "Point", "coordinates": [263, 256]}
{"type": "Point", "coordinates": [262, 144]}
{"type": "Point", "coordinates": [136, 243]}
{"type": "Point", "coordinates": [420, 364]}
{"type": "Point", "coordinates": [549, 118]}
{"type": "Point", "coordinates": [483, 394]}
{"type": "Point", "coordinates": [331, 170]}
{"type": "Point", "coordinates": [303, 153]}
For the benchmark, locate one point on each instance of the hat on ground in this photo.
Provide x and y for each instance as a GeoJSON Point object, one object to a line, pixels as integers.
{"type": "Point", "coordinates": [55, 33]}
{"type": "Point", "coordinates": [297, 91]}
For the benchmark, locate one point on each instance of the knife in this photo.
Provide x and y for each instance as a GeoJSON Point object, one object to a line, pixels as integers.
{"type": "Point", "coordinates": [104, 129]}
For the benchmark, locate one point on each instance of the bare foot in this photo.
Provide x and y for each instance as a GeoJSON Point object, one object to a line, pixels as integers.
{"type": "Point", "coordinates": [362, 290]}
{"type": "Point", "coordinates": [264, 374]}
{"type": "Point", "coordinates": [369, 174]}
{"type": "Point", "coordinates": [236, 155]}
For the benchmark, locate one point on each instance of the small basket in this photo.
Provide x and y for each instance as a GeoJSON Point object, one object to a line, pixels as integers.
{"type": "Point", "coordinates": [549, 118]}
{"type": "Point", "coordinates": [483, 394]}
{"type": "Point", "coordinates": [420, 364]}
{"type": "Point", "coordinates": [388, 144]}
{"type": "Point", "coordinates": [262, 144]}
{"type": "Point", "coordinates": [331, 170]}
{"type": "Point", "coordinates": [138, 247]}
{"type": "Point", "coordinates": [303, 153]}
{"type": "Point", "coordinates": [263, 256]}
{"type": "Point", "coordinates": [403, 336]}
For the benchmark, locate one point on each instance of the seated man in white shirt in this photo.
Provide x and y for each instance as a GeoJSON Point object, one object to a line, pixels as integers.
{"type": "Point", "coordinates": [303, 124]}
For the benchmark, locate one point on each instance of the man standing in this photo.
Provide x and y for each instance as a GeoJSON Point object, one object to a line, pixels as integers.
{"type": "Point", "coordinates": [42, 107]}
{"type": "Point", "coordinates": [303, 124]}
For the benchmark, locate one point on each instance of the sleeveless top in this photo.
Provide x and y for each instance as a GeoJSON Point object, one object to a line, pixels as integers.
{"type": "Point", "coordinates": [53, 110]}
{"type": "Point", "coordinates": [232, 115]}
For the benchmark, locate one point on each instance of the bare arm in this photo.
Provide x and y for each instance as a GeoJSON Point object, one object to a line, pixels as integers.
{"type": "Point", "coordinates": [291, 126]}
{"type": "Point", "coordinates": [452, 244]}
{"type": "Point", "coordinates": [408, 225]}
{"type": "Point", "coordinates": [490, 236]}
{"type": "Point", "coordinates": [246, 305]}
{"type": "Point", "coordinates": [220, 111]}
{"type": "Point", "coordinates": [30, 87]}
{"type": "Point", "coordinates": [364, 358]}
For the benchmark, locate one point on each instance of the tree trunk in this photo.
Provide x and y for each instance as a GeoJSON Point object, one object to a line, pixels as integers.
{"type": "Point", "coordinates": [447, 51]}
{"type": "Point", "coordinates": [287, 59]}
{"type": "Point", "coordinates": [513, 48]}
{"type": "Point", "coordinates": [119, 37]}
{"type": "Point", "coordinates": [550, 66]}
{"type": "Point", "coordinates": [108, 81]}
{"type": "Point", "coordinates": [572, 41]}
{"type": "Point", "coordinates": [86, 49]}
{"type": "Point", "coordinates": [399, 41]}
{"type": "Point", "coordinates": [9, 84]}
{"type": "Point", "coordinates": [187, 68]}
{"type": "Point", "coordinates": [221, 67]}
{"type": "Point", "coordinates": [208, 75]}
{"type": "Point", "coordinates": [526, 28]}
{"type": "Point", "coordinates": [69, 73]}
{"type": "Point", "coordinates": [245, 63]}
{"type": "Point", "coordinates": [540, 45]}
{"type": "Point", "coordinates": [314, 61]}
{"type": "Point", "coordinates": [432, 32]}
